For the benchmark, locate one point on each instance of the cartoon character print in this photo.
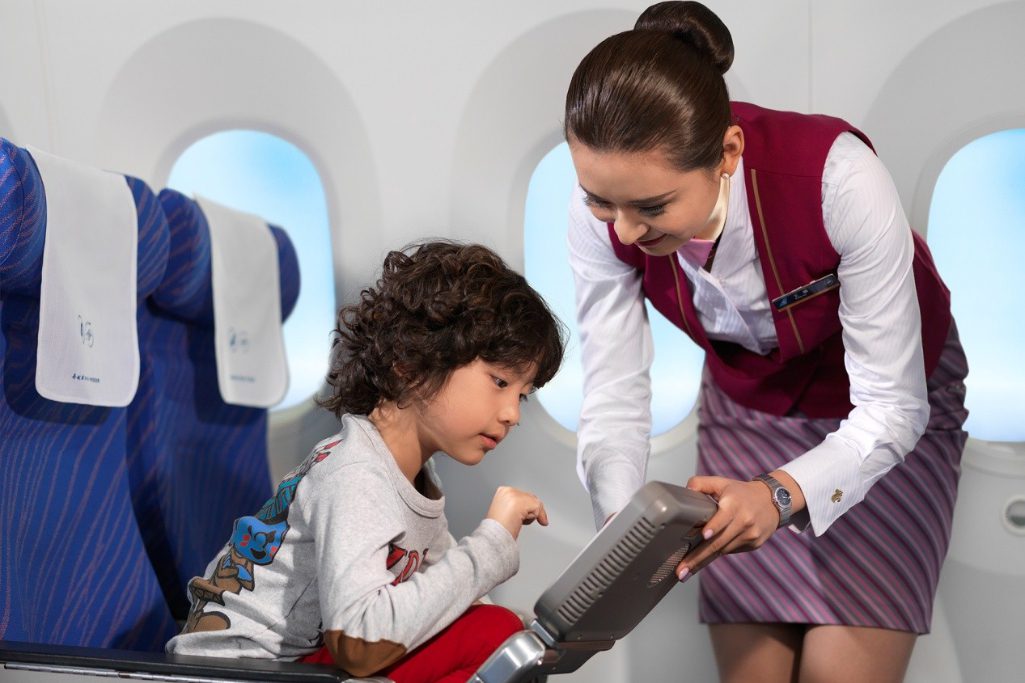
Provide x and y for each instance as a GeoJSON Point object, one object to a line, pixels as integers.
{"type": "Point", "coordinates": [277, 505]}
{"type": "Point", "coordinates": [255, 540]}
{"type": "Point", "coordinates": [413, 561]}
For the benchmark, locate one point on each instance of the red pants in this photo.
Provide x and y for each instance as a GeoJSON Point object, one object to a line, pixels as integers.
{"type": "Point", "coordinates": [453, 655]}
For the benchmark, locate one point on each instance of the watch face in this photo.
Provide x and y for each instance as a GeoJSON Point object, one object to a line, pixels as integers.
{"type": "Point", "coordinates": [783, 497]}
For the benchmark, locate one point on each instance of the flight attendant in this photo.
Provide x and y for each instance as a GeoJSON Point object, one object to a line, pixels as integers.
{"type": "Point", "coordinates": [832, 399]}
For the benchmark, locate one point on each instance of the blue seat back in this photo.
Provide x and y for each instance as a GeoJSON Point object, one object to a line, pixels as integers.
{"type": "Point", "coordinates": [73, 568]}
{"type": "Point", "coordinates": [196, 462]}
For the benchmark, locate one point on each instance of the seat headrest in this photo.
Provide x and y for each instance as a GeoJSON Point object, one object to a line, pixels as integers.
{"type": "Point", "coordinates": [22, 211]}
{"type": "Point", "coordinates": [288, 266]}
{"type": "Point", "coordinates": [186, 291]}
{"type": "Point", "coordinates": [23, 226]}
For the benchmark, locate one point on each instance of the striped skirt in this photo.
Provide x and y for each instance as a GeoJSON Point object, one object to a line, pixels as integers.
{"type": "Point", "coordinates": [878, 565]}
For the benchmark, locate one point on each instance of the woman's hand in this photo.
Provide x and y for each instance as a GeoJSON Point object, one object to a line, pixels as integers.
{"type": "Point", "coordinates": [746, 518]}
{"type": "Point", "coordinates": [512, 508]}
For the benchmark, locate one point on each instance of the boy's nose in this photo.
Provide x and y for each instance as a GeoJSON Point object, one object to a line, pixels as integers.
{"type": "Point", "coordinates": [510, 413]}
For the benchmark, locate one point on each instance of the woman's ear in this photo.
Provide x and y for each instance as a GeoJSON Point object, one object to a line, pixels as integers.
{"type": "Point", "coordinates": [732, 148]}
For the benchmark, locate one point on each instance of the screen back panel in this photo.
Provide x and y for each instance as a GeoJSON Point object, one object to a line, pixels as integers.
{"type": "Point", "coordinates": [619, 577]}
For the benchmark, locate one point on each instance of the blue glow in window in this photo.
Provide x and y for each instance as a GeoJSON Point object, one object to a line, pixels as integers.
{"type": "Point", "coordinates": [977, 236]}
{"type": "Point", "coordinates": [676, 371]}
{"type": "Point", "coordinates": [262, 174]}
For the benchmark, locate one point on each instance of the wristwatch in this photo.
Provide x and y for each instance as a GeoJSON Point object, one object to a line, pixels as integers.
{"type": "Point", "coordinates": [780, 497]}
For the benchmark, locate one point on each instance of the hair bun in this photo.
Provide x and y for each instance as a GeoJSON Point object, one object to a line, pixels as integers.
{"type": "Point", "coordinates": [694, 24]}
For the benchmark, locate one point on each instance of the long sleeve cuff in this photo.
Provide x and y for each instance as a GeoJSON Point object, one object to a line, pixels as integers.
{"type": "Point", "coordinates": [495, 552]}
{"type": "Point", "coordinates": [830, 476]}
{"type": "Point", "coordinates": [611, 482]}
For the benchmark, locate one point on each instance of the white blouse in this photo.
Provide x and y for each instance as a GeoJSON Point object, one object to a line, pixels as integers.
{"type": "Point", "coordinates": [881, 336]}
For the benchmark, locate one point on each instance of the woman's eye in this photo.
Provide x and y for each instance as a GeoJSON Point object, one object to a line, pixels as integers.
{"type": "Point", "coordinates": [595, 203]}
{"type": "Point", "coordinates": [657, 210]}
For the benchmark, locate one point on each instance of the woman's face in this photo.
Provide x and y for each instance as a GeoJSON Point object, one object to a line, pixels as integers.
{"type": "Point", "coordinates": [650, 202]}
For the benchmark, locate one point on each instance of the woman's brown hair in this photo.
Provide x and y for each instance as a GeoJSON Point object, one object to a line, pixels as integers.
{"type": "Point", "coordinates": [437, 306]}
{"type": "Point", "coordinates": [657, 87]}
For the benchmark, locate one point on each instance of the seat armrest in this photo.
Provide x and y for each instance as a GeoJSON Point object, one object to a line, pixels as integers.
{"type": "Point", "coordinates": [85, 661]}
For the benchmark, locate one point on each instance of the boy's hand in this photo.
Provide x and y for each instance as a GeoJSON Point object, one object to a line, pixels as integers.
{"type": "Point", "coordinates": [512, 508]}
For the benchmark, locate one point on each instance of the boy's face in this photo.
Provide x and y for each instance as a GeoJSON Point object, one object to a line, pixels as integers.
{"type": "Point", "coordinates": [474, 410]}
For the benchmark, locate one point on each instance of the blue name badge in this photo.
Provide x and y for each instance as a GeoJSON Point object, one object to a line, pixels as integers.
{"type": "Point", "coordinates": [809, 290]}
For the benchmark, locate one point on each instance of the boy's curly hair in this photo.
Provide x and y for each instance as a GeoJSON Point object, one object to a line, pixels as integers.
{"type": "Point", "coordinates": [437, 306]}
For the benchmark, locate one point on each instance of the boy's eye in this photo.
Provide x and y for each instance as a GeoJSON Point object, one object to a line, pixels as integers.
{"type": "Point", "coordinates": [524, 398]}
{"type": "Point", "coordinates": [499, 382]}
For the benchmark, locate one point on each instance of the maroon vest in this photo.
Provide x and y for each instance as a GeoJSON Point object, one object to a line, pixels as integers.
{"type": "Point", "coordinates": [784, 154]}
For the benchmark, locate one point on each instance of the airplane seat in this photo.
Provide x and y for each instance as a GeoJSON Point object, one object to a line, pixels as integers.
{"type": "Point", "coordinates": [73, 569]}
{"type": "Point", "coordinates": [196, 463]}
{"type": "Point", "coordinates": [78, 595]}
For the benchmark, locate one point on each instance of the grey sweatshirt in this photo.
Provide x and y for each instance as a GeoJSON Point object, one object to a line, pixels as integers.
{"type": "Point", "coordinates": [348, 553]}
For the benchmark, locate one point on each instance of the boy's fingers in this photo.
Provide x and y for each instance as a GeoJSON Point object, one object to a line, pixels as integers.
{"type": "Point", "coordinates": [536, 512]}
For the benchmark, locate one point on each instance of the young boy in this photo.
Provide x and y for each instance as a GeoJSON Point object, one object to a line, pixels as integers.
{"type": "Point", "coordinates": [351, 560]}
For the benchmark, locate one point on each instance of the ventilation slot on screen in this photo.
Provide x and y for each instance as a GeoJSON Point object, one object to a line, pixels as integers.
{"type": "Point", "coordinates": [607, 571]}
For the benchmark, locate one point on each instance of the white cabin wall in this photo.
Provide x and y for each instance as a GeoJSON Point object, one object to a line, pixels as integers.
{"type": "Point", "coordinates": [24, 110]}
{"type": "Point", "coordinates": [956, 84]}
{"type": "Point", "coordinates": [427, 119]}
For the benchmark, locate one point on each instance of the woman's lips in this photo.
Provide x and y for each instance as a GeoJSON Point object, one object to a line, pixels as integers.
{"type": "Point", "coordinates": [651, 242]}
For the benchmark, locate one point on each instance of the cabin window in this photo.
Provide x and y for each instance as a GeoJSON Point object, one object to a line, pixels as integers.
{"type": "Point", "coordinates": [676, 372]}
{"type": "Point", "coordinates": [272, 178]}
{"type": "Point", "coordinates": [976, 235]}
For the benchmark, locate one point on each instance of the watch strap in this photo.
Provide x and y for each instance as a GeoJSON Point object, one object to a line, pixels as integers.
{"type": "Point", "coordinates": [780, 495]}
